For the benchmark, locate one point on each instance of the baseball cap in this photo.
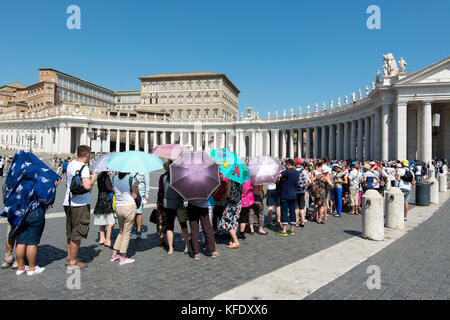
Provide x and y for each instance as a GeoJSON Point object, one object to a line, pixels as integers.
{"type": "Point", "coordinates": [298, 161]}
{"type": "Point", "coordinates": [405, 163]}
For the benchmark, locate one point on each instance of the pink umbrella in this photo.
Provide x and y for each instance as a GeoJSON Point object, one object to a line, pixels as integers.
{"type": "Point", "coordinates": [169, 151]}
{"type": "Point", "coordinates": [263, 170]}
{"type": "Point", "coordinates": [194, 175]}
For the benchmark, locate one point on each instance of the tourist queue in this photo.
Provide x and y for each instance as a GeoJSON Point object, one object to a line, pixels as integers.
{"type": "Point", "coordinates": [234, 209]}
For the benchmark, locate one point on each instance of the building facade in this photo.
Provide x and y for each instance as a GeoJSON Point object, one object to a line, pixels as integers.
{"type": "Point", "coordinates": [402, 115]}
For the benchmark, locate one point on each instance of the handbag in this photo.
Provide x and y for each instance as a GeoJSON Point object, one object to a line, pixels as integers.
{"type": "Point", "coordinates": [138, 199]}
{"type": "Point", "coordinates": [182, 214]}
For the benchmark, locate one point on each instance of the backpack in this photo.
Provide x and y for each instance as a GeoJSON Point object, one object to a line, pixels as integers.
{"type": "Point", "coordinates": [138, 199]}
{"type": "Point", "coordinates": [369, 182]}
{"type": "Point", "coordinates": [76, 185]}
{"type": "Point", "coordinates": [281, 183]}
{"type": "Point", "coordinates": [301, 180]}
{"type": "Point", "coordinates": [424, 170]}
{"type": "Point", "coordinates": [407, 177]}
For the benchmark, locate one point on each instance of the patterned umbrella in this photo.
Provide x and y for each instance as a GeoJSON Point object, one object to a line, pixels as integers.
{"type": "Point", "coordinates": [263, 170]}
{"type": "Point", "coordinates": [134, 161]}
{"type": "Point", "coordinates": [100, 164]}
{"type": "Point", "coordinates": [169, 151]}
{"type": "Point", "coordinates": [230, 165]}
{"type": "Point", "coordinates": [194, 175]}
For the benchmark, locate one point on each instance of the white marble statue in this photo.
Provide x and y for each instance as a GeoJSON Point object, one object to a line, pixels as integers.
{"type": "Point", "coordinates": [339, 101]}
{"type": "Point", "coordinates": [268, 115]}
{"type": "Point", "coordinates": [346, 100]}
{"type": "Point", "coordinates": [353, 96]}
{"type": "Point", "coordinates": [316, 107]}
{"type": "Point", "coordinates": [359, 94]}
{"type": "Point", "coordinates": [373, 86]}
{"type": "Point", "coordinates": [292, 112]}
{"type": "Point", "coordinates": [390, 66]}
{"type": "Point", "coordinates": [401, 65]}
{"type": "Point", "coordinates": [284, 113]}
{"type": "Point", "coordinates": [331, 104]}
{"type": "Point", "coordinates": [308, 109]}
{"type": "Point", "coordinates": [300, 110]}
{"type": "Point", "coordinates": [276, 114]}
{"type": "Point", "coordinates": [367, 91]}
{"type": "Point", "coordinates": [323, 106]}
{"type": "Point", "coordinates": [378, 78]}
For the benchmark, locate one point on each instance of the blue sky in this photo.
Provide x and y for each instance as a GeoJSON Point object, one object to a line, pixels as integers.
{"type": "Point", "coordinates": [280, 54]}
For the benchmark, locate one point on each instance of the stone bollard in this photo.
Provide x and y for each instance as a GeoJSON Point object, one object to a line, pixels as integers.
{"type": "Point", "coordinates": [372, 214]}
{"type": "Point", "coordinates": [394, 208]}
{"type": "Point", "coordinates": [434, 190]}
{"type": "Point", "coordinates": [442, 183]}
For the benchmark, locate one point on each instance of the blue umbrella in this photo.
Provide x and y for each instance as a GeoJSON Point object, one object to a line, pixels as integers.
{"type": "Point", "coordinates": [100, 164]}
{"type": "Point", "coordinates": [134, 161]}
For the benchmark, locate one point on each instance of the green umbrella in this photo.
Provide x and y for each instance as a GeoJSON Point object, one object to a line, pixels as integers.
{"type": "Point", "coordinates": [134, 161]}
{"type": "Point", "coordinates": [230, 165]}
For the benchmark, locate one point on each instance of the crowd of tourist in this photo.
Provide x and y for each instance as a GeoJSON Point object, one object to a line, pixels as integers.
{"type": "Point", "coordinates": [307, 191]}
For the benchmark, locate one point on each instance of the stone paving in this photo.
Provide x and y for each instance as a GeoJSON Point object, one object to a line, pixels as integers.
{"type": "Point", "coordinates": [414, 267]}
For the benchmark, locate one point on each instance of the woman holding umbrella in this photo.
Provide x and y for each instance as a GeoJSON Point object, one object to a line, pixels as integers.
{"type": "Point", "coordinates": [230, 220]}
{"type": "Point", "coordinates": [171, 201]}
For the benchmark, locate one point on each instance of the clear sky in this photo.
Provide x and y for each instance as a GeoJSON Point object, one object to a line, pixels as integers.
{"type": "Point", "coordinates": [280, 54]}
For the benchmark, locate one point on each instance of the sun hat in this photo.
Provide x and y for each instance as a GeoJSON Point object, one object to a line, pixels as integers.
{"type": "Point", "coordinates": [367, 166]}
{"type": "Point", "coordinates": [326, 170]}
{"type": "Point", "coordinates": [405, 163]}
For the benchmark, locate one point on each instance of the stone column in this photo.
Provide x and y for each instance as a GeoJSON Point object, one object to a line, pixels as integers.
{"type": "Point", "coordinates": [222, 140]}
{"type": "Point", "coordinates": [400, 111]}
{"type": "Point", "coordinates": [146, 141]}
{"type": "Point", "coordinates": [136, 141]}
{"type": "Point", "coordinates": [372, 137]}
{"type": "Point", "coordinates": [300, 143]}
{"type": "Point", "coordinates": [384, 132]}
{"type": "Point", "coordinates": [316, 143]}
{"type": "Point", "coordinates": [155, 139]}
{"type": "Point", "coordinates": [346, 141]}
{"type": "Point", "coordinates": [291, 143]}
{"type": "Point", "coordinates": [353, 140]}
{"type": "Point", "coordinates": [308, 143]}
{"type": "Point", "coordinates": [108, 140]}
{"type": "Point", "coordinates": [360, 139]}
{"type": "Point", "coordinates": [216, 144]}
{"type": "Point", "coordinates": [323, 144]}
{"type": "Point", "coordinates": [127, 140]}
{"type": "Point", "coordinates": [57, 139]}
{"type": "Point", "coordinates": [274, 144]}
{"type": "Point", "coordinates": [427, 132]}
{"type": "Point", "coordinates": [339, 153]}
{"type": "Point", "coordinates": [189, 134]}
{"type": "Point", "coordinates": [331, 142]}
{"type": "Point", "coordinates": [267, 150]}
{"type": "Point", "coordinates": [207, 148]}
{"type": "Point", "coordinates": [117, 140]}
{"type": "Point", "coordinates": [366, 138]}
{"type": "Point", "coordinates": [377, 134]}
{"type": "Point", "coordinates": [283, 144]}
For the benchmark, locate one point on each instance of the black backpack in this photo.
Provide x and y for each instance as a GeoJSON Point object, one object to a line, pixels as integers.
{"type": "Point", "coordinates": [281, 183]}
{"type": "Point", "coordinates": [76, 185]}
{"type": "Point", "coordinates": [408, 176]}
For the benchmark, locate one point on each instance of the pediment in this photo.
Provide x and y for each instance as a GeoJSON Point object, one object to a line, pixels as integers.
{"type": "Point", "coordinates": [435, 73]}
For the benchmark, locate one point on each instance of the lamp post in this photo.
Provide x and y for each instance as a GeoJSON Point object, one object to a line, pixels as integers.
{"type": "Point", "coordinates": [31, 138]}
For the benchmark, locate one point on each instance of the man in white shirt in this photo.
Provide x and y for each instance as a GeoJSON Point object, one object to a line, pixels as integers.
{"type": "Point", "coordinates": [354, 179]}
{"type": "Point", "coordinates": [77, 207]}
{"type": "Point", "coordinates": [2, 163]}
{"type": "Point", "coordinates": [405, 186]}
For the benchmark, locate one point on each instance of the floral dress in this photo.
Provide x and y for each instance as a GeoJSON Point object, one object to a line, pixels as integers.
{"type": "Point", "coordinates": [232, 208]}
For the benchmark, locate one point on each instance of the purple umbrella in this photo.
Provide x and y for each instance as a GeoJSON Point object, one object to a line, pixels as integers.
{"type": "Point", "coordinates": [169, 151]}
{"type": "Point", "coordinates": [194, 175]}
{"type": "Point", "coordinates": [263, 170]}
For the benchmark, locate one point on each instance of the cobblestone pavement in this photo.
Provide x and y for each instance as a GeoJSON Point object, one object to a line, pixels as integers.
{"type": "Point", "coordinates": [414, 267]}
{"type": "Point", "coordinates": [155, 274]}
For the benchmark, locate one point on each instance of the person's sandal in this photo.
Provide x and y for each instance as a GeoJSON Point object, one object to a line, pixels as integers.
{"type": "Point", "coordinates": [67, 262]}
{"type": "Point", "coordinates": [215, 254]}
{"type": "Point", "coordinates": [197, 257]}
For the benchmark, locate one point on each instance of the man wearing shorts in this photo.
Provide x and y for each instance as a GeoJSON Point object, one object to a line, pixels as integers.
{"type": "Point", "coordinates": [77, 208]}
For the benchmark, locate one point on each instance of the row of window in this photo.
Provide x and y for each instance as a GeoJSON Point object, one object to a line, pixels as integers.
{"type": "Point", "coordinates": [180, 99]}
{"type": "Point", "coordinates": [189, 85]}
{"type": "Point", "coordinates": [72, 97]}
{"type": "Point", "coordinates": [130, 98]}
{"type": "Point", "coordinates": [80, 87]}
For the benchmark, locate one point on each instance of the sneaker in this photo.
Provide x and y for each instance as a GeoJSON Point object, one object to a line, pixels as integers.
{"type": "Point", "coordinates": [6, 265]}
{"type": "Point", "coordinates": [126, 261]}
{"type": "Point", "coordinates": [132, 234]}
{"type": "Point", "coordinates": [15, 265]}
{"type": "Point", "coordinates": [281, 234]}
{"type": "Point", "coordinates": [138, 235]}
{"type": "Point", "coordinates": [36, 270]}
{"type": "Point", "coordinates": [19, 272]}
{"type": "Point", "coordinates": [406, 219]}
{"type": "Point", "coordinates": [291, 233]}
